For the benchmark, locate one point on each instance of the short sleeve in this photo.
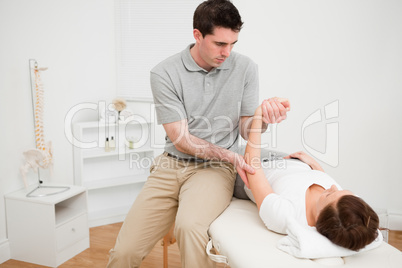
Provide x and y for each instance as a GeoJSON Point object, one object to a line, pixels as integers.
{"type": "Point", "coordinates": [251, 91]}
{"type": "Point", "coordinates": [168, 105]}
{"type": "Point", "coordinates": [274, 212]}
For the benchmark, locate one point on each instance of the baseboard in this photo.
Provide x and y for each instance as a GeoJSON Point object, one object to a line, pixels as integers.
{"type": "Point", "coordinates": [5, 253]}
{"type": "Point", "coordinates": [394, 220]}
{"type": "Point", "coordinates": [107, 216]}
{"type": "Point", "coordinates": [106, 220]}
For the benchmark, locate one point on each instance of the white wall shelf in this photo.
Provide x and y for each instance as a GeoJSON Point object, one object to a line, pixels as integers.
{"type": "Point", "coordinates": [121, 170]}
{"type": "Point", "coordinates": [118, 181]}
{"type": "Point", "coordinates": [100, 152]}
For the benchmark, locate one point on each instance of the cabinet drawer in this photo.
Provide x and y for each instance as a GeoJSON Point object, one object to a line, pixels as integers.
{"type": "Point", "coordinates": [71, 232]}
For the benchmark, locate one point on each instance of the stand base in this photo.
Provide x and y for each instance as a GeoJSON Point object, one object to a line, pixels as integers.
{"type": "Point", "coordinates": [42, 190]}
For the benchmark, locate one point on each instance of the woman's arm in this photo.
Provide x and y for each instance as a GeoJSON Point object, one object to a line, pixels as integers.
{"type": "Point", "coordinates": [306, 159]}
{"type": "Point", "coordinates": [259, 184]}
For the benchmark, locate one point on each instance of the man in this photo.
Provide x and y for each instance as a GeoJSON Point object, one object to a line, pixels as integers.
{"type": "Point", "coordinates": [204, 97]}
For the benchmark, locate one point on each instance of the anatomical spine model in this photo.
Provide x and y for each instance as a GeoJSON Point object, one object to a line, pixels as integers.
{"type": "Point", "coordinates": [41, 156]}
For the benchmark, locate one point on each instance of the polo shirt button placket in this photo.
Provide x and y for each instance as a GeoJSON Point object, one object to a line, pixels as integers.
{"type": "Point", "coordinates": [208, 85]}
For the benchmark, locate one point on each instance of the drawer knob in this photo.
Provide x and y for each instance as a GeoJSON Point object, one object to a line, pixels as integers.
{"type": "Point", "coordinates": [73, 229]}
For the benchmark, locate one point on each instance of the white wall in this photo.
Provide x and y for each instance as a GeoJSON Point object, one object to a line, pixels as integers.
{"type": "Point", "coordinates": [315, 52]}
{"type": "Point", "coordinates": [75, 40]}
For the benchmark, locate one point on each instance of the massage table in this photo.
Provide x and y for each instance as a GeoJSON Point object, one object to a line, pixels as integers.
{"type": "Point", "coordinates": [242, 241]}
{"type": "Point", "coordinates": [239, 238]}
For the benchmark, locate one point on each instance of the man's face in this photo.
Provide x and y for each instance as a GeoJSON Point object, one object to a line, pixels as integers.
{"type": "Point", "coordinates": [214, 49]}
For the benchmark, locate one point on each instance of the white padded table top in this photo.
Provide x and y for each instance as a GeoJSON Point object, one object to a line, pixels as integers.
{"type": "Point", "coordinates": [240, 235]}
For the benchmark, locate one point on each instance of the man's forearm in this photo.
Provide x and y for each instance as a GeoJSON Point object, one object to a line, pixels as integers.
{"type": "Point", "coordinates": [200, 148]}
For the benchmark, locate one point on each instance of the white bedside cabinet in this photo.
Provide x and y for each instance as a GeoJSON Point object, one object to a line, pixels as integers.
{"type": "Point", "coordinates": [47, 230]}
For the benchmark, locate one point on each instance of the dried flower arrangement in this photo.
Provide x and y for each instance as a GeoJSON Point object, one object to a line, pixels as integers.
{"type": "Point", "coordinates": [119, 104]}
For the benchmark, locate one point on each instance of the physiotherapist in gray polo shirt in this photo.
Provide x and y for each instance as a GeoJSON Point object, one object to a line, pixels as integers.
{"type": "Point", "coordinates": [204, 97]}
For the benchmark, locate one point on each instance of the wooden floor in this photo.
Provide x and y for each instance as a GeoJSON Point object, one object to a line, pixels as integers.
{"type": "Point", "coordinates": [103, 238]}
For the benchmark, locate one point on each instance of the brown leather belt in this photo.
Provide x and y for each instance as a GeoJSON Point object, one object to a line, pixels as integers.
{"type": "Point", "coordinates": [199, 160]}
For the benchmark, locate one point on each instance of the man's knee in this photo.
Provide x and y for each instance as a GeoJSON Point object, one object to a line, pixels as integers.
{"type": "Point", "coordinates": [187, 227]}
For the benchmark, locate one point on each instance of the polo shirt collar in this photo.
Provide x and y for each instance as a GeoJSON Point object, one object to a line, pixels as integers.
{"type": "Point", "coordinates": [192, 66]}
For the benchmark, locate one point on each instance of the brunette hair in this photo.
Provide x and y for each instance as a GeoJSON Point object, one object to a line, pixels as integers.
{"type": "Point", "coordinates": [216, 13]}
{"type": "Point", "coordinates": [350, 223]}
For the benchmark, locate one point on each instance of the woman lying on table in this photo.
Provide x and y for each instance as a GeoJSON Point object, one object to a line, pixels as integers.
{"type": "Point", "coordinates": [300, 189]}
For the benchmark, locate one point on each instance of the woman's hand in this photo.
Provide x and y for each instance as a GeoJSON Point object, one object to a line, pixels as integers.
{"type": "Point", "coordinates": [274, 110]}
{"type": "Point", "coordinates": [306, 159]}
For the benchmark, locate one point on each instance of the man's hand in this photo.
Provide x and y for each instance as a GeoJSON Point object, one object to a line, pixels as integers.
{"type": "Point", "coordinates": [274, 110]}
{"type": "Point", "coordinates": [243, 168]}
{"type": "Point", "coordinates": [306, 159]}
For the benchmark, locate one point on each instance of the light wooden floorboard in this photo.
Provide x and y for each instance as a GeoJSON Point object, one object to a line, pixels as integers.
{"type": "Point", "coordinates": [103, 238]}
{"type": "Point", "coordinates": [395, 239]}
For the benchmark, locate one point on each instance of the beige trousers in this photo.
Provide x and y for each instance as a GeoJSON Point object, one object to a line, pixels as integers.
{"type": "Point", "coordinates": [191, 194]}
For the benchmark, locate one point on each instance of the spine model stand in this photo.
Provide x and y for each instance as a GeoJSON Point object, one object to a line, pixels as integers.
{"type": "Point", "coordinates": [41, 156]}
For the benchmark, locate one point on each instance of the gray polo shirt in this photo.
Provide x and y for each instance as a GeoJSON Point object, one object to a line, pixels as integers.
{"type": "Point", "coordinates": [212, 102]}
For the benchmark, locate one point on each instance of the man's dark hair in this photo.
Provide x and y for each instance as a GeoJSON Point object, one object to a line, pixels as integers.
{"type": "Point", "coordinates": [216, 13]}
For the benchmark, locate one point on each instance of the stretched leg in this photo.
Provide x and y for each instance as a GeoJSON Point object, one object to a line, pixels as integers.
{"type": "Point", "coordinates": [148, 220]}
{"type": "Point", "coordinates": [204, 194]}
